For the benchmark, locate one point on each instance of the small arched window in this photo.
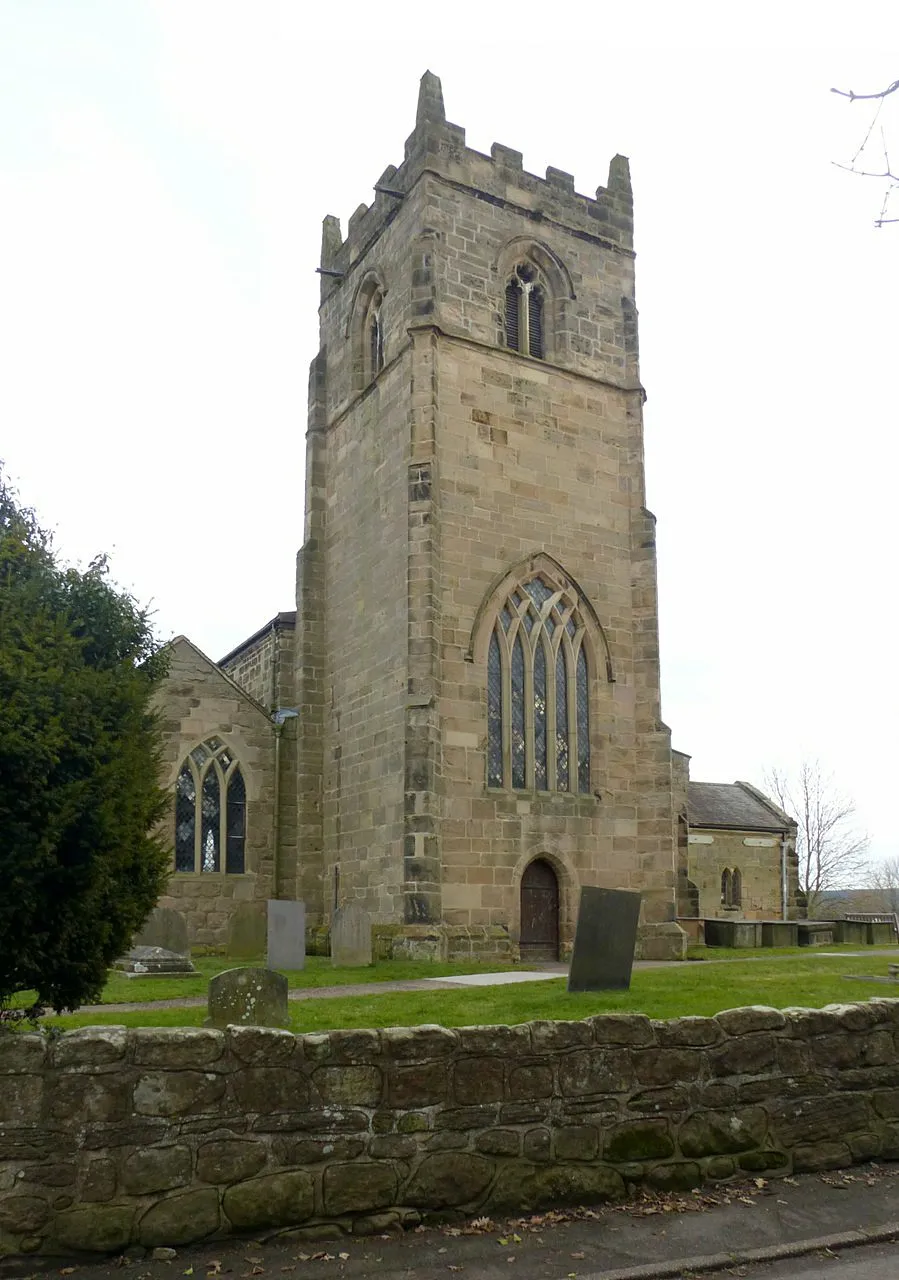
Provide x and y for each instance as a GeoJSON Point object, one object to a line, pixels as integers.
{"type": "Point", "coordinates": [525, 299]}
{"type": "Point", "coordinates": [210, 811]}
{"type": "Point", "coordinates": [538, 702]}
{"type": "Point", "coordinates": [375, 331]}
{"type": "Point", "coordinates": [725, 887]}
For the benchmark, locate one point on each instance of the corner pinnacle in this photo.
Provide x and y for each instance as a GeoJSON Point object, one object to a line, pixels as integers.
{"type": "Point", "coordinates": [430, 101]}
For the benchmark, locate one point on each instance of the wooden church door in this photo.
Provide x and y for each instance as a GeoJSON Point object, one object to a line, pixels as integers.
{"type": "Point", "coordinates": [539, 913]}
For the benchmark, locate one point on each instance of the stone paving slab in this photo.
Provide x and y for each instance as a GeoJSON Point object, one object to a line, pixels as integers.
{"type": "Point", "coordinates": [496, 979]}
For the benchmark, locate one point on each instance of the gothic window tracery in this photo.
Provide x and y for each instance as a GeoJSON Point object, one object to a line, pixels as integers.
{"type": "Point", "coordinates": [524, 312]}
{"type": "Point", "coordinates": [538, 712]}
{"type": "Point", "coordinates": [210, 811]}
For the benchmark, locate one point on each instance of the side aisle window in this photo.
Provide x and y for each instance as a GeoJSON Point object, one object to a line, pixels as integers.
{"type": "Point", "coordinates": [210, 811]}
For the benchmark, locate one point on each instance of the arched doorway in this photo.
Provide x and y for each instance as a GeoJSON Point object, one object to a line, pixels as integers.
{"type": "Point", "coordinates": [539, 913]}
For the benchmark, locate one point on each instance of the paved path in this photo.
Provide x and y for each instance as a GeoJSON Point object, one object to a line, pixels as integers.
{"type": "Point", "coordinates": [450, 983]}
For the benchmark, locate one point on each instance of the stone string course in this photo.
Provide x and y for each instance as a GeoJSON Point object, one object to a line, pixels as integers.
{"type": "Point", "coordinates": [110, 1137]}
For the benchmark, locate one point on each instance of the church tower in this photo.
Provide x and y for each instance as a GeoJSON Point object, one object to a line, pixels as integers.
{"type": "Point", "coordinates": [477, 657]}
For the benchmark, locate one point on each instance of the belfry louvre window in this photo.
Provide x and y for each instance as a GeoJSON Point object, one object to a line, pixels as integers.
{"type": "Point", "coordinates": [538, 704]}
{"type": "Point", "coordinates": [524, 313]}
{"type": "Point", "coordinates": [375, 340]}
{"type": "Point", "coordinates": [210, 811]}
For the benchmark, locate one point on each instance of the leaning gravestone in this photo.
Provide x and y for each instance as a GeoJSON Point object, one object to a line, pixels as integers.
{"type": "Point", "coordinates": [246, 931]}
{"type": "Point", "coordinates": [165, 927]}
{"type": "Point", "coordinates": [350, 937]}
{"type": "Point", "coordinates": [286, 935]}
{"type": "Point", "coordinates": [248, 998]}
{"type": "Point", "coordinates": [605, 940]}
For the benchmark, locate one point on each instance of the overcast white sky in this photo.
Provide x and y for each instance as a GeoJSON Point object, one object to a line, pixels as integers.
{"type": "Point", "coordinates": [164, 169]}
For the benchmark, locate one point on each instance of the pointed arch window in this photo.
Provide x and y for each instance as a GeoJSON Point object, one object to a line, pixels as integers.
{"type": "Point", "coordinates": [538, 704]}
{"type": "Point", "coordinates": [375, 333]}
{"type": "Point", "coordinates": [731, 887]}
{"type": "Point", "coordinates": [524, 312]}
{"type": "Point", "coordinates": [210, 811]}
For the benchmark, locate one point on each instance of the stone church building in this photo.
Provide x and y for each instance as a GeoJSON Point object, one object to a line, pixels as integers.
{"type": "Point", "coordinates": [460, 724]}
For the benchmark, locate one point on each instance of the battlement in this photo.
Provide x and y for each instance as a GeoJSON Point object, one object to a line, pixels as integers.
{"type": "Point", "coordinates": [438, 147]}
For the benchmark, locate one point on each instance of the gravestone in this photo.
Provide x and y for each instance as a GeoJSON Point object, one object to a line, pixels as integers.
{"type": "Point", "coordinates": [350, 937]}
{"type": "Point", "coordinates": [733, 933]}
{"type": "Point", "coordinates": [154, 962]}
{"type": "Point", "coordinates": [286, 935]}
{"type": "Point", "coordinates": [854, 932]}
{"type": "Point", "coordinates": [165, 927]}
{"type": "Point", "coordinates": [248, 998]}
{"type": "Point", "coordinates": [816, 933]}
{"type": "Point", "coordinates": [246, 931]}
{"type": "Point", "coordinates": [780, 933]}
{"type": "Point", "coordinates": [605, 940]}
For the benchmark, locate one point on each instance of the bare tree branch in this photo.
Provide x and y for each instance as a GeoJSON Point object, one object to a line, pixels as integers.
{"type": "Point", "coordinates": [861, 97]}
{"type": "Point", "coordinates": [865, 173]}
{"type": "Point", "coordinates": [886, 174]}
{"type": "Point", "coordinates": [884, 881]}
{"type": "Point", "coordinates": [830, 851]}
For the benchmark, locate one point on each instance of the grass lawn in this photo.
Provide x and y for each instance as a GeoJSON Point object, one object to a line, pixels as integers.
{"type": "Point", "coordinates": [319, 972]}
{"type": "Point", "coordinates": [700, 952]}
{"type": "Point", "coordinates": [806, 979]}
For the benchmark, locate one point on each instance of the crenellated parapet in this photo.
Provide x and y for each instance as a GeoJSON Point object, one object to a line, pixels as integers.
{"type": "Point", "coordinates": [438, 147]}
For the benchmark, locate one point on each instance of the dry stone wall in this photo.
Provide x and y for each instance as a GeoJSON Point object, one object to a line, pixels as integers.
{"type": "Point", "coordinates": [110, 1137]}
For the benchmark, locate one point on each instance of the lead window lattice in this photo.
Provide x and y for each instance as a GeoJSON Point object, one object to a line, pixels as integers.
{"type": "Point", "coordinates": [538, 692]}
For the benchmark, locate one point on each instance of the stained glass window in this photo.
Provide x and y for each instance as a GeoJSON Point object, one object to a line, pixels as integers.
{"type": "Point", "coordinates": [538, 715]}
{"type": "Point", "coordinates": [540, 774]}
{"type": "Point", "coordinates": [210, 811]}
{"type": "Point", "coordinates": [538, 591]}
{"type": "Point", "coordinates": [518, 751]}
{"type": "Point", "coordinates": [583, 733]}
{"type": "Point", "coordinates": [494, 714]}
{"type": "Point", "coordinates": [561, 722]}
{"type": "Point", "coordinates": [236, 824]}
{"type": "Point", "coordinates": [185, 819]}
{"type": "Point", "coordinates": [211, 822]}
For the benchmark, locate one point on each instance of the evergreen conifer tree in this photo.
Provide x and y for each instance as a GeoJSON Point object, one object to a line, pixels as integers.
{"type": "Point", "coordinates": [81, 860]}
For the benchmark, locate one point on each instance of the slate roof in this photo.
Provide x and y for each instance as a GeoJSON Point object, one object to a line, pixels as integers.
{"type": "Point", "coordinates": [736, 806]}
{"type": "Point", "coordinates": [286, 620]}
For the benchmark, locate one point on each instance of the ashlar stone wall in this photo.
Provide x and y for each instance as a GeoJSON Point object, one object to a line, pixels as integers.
{"type": "Point", "coordinates": [111, 1136]}
{"type": "Point", "coordinates": [196, 702]}
{"type": "Point", "coordinates": [263, 665]}
{"type": "Point", "coordinates": [757, 855]}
